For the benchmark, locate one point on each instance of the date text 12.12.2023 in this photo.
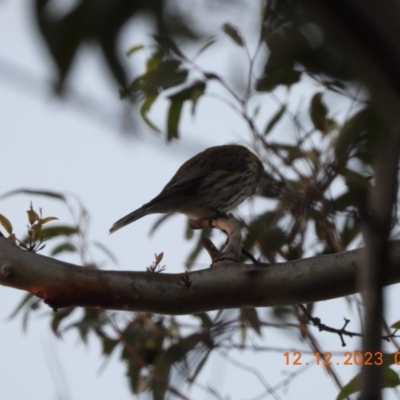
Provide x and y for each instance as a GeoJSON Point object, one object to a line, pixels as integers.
{"type": "Point", "coordinates": [349, 358]}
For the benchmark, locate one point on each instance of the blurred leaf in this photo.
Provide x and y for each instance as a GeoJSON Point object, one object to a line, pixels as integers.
{"type": "Point", "coordinates": [270, 82]}
{"type": "Point", "coordinates": [166, 42]}
{"type": "Point", "coordinates": [108, 345]}
{"type": "Point", "coordinates": [188, 93]}
{"type": "Point", "coordinates": [310, 307]}
{"type": "Point", "coordinates": [174, 115]}
{"type": "Point", "coordinates": [61, 230]}
{"type": "Point", "coordinates": [134, 49]}
{"type": "Point", "coordinates": [270, 237]}
{"type": "Point", "coordinates": [189, 232]}
{"type": "Point", "coordinates": [91, 321]}
{"type": "Point", "coordinates": [33, 216]}
{"type": "Point", "coordinates": [288, 42]}
{"type": "Point", "coordinates": [25, 300]}
{"type": "Point", "coordinates": [205, 47]}
{"type": "Point", "coordinates": [48, 219]}
{"type": "Point", "coordinates": [58, 318]}
{"type": "Point", "coordinates": [288, 153]}
{"type": "Point", "coordinates": [249, 316]}
{"type": "Point", "coordinates": [396, 325]}
{"type": "Point", "coordinates": [36, 232]}
{"type": "Point", "coordinates": [200, 366]}
{"type": "Point", "coordinates": [391, 380]}
{"type": "Point", "coordinates": [314, 156]}
{"type": "Point", "coordinates": [343, 201]}
{"type": "Point", "coordinates": [106, 251]}
{"type": "Point", "coordinates": [154, 60]}
{"type": "Point", "coordinates": [318, 112]}
{"type": "Point", "coordinates": [145, 108]}
{"type": "Point", "coordinates": [283, 313]}
{"type": "Point", "coordinates": [196, 94]}
{"type": "Point", "coordinates": [349, 232]}
{"type": "Point", "coordinates": [64, 247]}
{"type": "Point", "coordinates": [275, 119]}
{"type": "Point", "coordinates": [72, 27]}
{"type": "Point", "coordinates": [278, 62]}
{"type": "Point", "coordinates": [168, 74]}
{"type": "Point", "coordinates": [28, 304]}
{"type": "Point", "coordinates": [349, 135]}
{"type": "Point", "coordinates": [205, 319]}
{"type": "Point", "coordinates": [205, 233]}
{"type": "Point", "coordinates": [233, 33]}
{"type": "Point", "coordinates": [159, 221]}
{"type": "Point", "coordinates": [159, 257]}
{"type": "Point", "coordinates": [12, 239]}
{"type": "Point", "coordinates": [352, 387]}
{"type": "Point", "coordinates": [144, 340]}
{"type": "Point", "coordinates": [192, 92]}
{"type": "Point", "coordinates": [177, 352]}
{"type": "Point", "coordinates": [6, 224]}
{"type": "Point", "coordinates": [45, 193]}
{"type": "Point", "coordinates": [334, 84]}
{"type": "Point", "coordinates": [358, 187]}
{"type": "Point", "coordinates": [211, 76]}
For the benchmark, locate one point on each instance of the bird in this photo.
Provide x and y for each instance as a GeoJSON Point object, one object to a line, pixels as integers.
{"type": "Point", "coordinates": [208, 185]}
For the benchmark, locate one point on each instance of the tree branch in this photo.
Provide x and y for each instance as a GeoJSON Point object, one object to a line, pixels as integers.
{"type": "Point", "coordinates": [228, 285]}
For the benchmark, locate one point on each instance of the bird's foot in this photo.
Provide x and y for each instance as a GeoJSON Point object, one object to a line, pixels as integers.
{"type": "Point", "coordinates": [231, 227]}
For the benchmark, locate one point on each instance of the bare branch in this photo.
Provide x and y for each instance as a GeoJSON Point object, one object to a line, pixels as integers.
{"type": "Point", "coordinates": [229, 285]}
{"type": "Point", "coordinates": [316, 321]}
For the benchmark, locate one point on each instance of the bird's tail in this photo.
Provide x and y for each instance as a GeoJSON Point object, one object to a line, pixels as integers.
{"type": "Point", "coordinates": [133, 216]}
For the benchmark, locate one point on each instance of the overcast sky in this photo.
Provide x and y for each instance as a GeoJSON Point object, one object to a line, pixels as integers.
{"type": "Point", "coordinates": [50, 144]}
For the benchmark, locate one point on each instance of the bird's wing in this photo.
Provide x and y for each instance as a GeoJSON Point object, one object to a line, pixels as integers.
{"type": "Point", "coordinates": [200, 166]}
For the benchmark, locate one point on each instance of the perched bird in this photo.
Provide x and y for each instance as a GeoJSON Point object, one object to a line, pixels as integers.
{"type": "Point", "coordinates": [208, 185]}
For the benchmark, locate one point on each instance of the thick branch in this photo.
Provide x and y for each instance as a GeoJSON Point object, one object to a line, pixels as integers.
{"type": "Point", "coordinates": [228, 285]}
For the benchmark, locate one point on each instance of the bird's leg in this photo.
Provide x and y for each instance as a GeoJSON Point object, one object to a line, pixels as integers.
{"type": "Point", "coordinates": [231, 227]}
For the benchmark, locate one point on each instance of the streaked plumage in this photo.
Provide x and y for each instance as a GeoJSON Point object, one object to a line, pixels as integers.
{"type": "Point", "coordinates": [213, 182]}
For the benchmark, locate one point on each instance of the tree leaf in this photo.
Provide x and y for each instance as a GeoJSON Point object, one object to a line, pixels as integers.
{"type": "Point", "coordinates": [391, 380]}
{"type": "Point", "coordinates": [144, 110]}
{"type": "Point", "coordinates": [205, 47]}
{"type": "Point", "coordinates": [25, 300]}
{"type": "Point", "coordinates": [33, 216]}
{"type": "Point", "coordinates": [249, 316]}
{"type": "Point", "coordinates": [168, 43]}
{"type": "Point", "coordinates": [12, 238]}
{"type": "Point", "coordinates": [233, 33]}
{"type": "Point", "coordinates": [46, 193]}
{"type": "Point", "coordinates": [270, 82]}
{"type": "Point", "coordinates": [275, 119]}
{"type": "Point", "coordinates": [396, 325]}
{"type": "Point", "coordinates": [54, 231]}
{"type": "Point", "coordinates": [352, 387]}
{"type": "Point", "coordinates": [205, 233]}
{"type": "Point", "coordinates": [174, 115]}
{"type": "Point", "coordinates": [58, 317]}
{"type": "Point", "coordinates": [318, 112]}
{"type": "Point", "coordinates": [192, 92]}
{"type": "Point", "coordinates": [64, 247]}
{"type": "Point", "coordinates": [134, 49]}
{"type": "Point", "coordinates": [48, 219]}
{"type": "Point", "coordinates": [159, 222]}
{"type": "Point", "coordinates": [6, 224]}
{"type": "Point", "coordinates": [106, 251]}
{"type": "Point", "coordinates": [154, 60]}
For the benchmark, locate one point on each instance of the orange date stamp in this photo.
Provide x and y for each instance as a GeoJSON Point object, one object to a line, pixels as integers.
{"type": "Point", "coordinates": [349, 358]}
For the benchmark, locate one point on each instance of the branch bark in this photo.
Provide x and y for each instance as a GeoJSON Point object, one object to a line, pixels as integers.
{"type": "Point", "coordinates": [228, 285]}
